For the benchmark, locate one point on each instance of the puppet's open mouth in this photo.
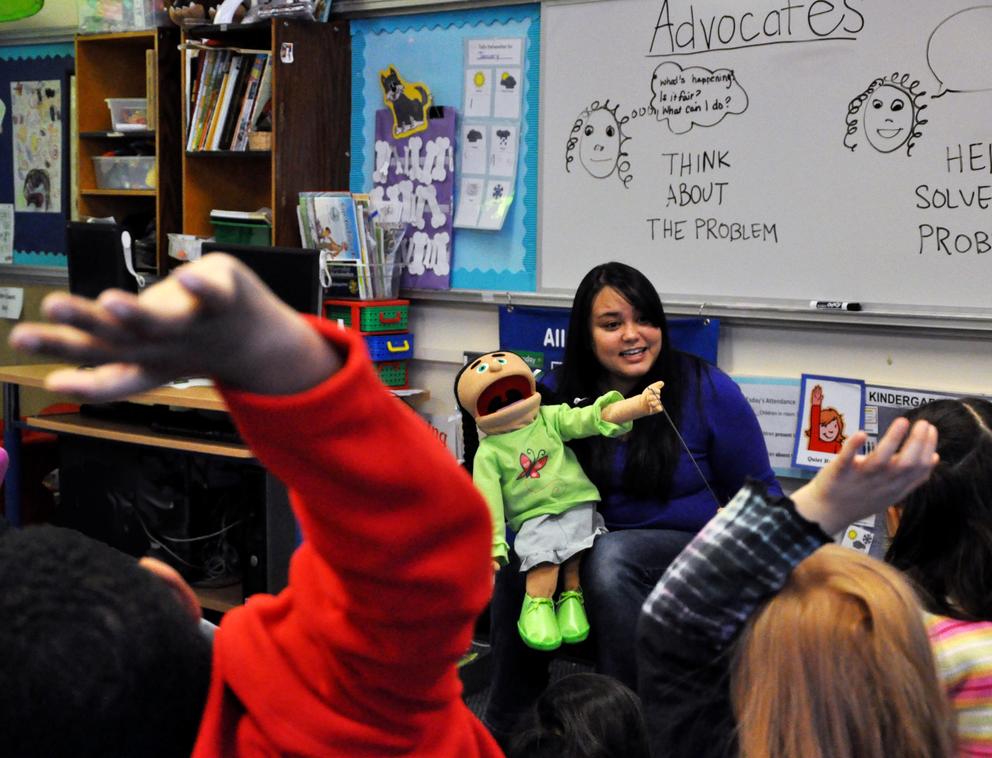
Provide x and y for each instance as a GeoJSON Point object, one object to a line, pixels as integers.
{"type": "Point", "coordinates": [501, 393]}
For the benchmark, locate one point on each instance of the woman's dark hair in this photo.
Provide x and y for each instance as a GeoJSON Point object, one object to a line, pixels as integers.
{"type": "Point", "coordinates": [653, 446]}
{"type": "Point", "coordinates": [584, 716]}
{"type": "Point", "coordinates": [944, 539]}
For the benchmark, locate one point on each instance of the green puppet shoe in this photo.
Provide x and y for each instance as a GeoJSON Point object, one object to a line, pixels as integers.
{"type": "Point", "coordinates": [537, 625]}
{"type": "Point", "coordinates": [572, 621]}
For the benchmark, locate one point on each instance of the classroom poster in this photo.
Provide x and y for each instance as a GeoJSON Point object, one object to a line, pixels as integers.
{"type": "Point", "coordinates": [35, 150]}
{"type": "Point", "coordinates": [416, 174]}
{"type": "Point", "coordinates": [36, 125]}
{"type": "Point", "coordinates": [831, 409]}
{"type": "Point", "coordinates": [429, 47]}
{"type": "Point", "coordinates": [490, 131]}
{"type": "Point", "coordinates": [775, 402]}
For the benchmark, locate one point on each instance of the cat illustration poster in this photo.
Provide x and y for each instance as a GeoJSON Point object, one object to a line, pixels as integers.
{"type": "Point", "coordinates": [831, 409]}
{"type": "Point", "coordinates": [408, 102]}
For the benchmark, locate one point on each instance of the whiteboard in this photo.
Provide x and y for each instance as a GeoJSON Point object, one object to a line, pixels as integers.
{"type": "Point", "coordinates": [757, 151]}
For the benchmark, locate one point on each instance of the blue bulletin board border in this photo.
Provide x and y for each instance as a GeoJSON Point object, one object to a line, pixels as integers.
{"type": "Point", "coordinates": [38, 241]}
{"type": "Point", "coordinates": [476, 254]}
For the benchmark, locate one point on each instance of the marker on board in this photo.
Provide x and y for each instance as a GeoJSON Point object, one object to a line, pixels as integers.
{"type": "Point", "coordinates": [834, 305]}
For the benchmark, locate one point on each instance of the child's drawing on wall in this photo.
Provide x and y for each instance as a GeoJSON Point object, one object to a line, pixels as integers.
{"type": "Point", "coordinates": [36, 124]}
{"type": "Point", "coordinates": [887, 114]}
{"type": "Point", "coordinates": [598, 138]}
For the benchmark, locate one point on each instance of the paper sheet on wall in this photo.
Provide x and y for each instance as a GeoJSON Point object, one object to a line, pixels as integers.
{"type": "Point", "coordinates": [6, 233]}
{"type": "Point", "coordinates": [490, 132]}
{"type": "Point", "coordinates": [11, 302]}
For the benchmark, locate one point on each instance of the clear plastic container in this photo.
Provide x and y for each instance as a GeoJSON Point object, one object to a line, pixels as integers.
{"type": "Point", "coordinates": [131, 172]}
{"type": "Point", "coordinates": [120, 15]}
{"type": "Point", "coordinates": [186, 247]}
{"type": "Point", "coordinates": [128, 114]}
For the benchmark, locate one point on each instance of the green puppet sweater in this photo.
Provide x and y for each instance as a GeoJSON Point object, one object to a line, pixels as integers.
{"type": "Point", "coordinates": [531, 472]}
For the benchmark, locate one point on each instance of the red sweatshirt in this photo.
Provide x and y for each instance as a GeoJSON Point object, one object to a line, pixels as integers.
{"type": "Point", "coordinates": [356, 657]}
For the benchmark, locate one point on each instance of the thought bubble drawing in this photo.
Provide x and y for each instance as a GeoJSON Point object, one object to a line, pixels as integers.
{"type": "Point", "coordinates": [958, 51]}
{"type": "Point", "coordinates": [686, 97]}
{"type": "Point", "coordinates": [888, 114]}
{"type": "Point", "coordinates": [598, 137]}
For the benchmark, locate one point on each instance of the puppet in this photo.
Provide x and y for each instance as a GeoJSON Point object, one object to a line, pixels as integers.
{"type": "Point", "coordinates": [533, 482]}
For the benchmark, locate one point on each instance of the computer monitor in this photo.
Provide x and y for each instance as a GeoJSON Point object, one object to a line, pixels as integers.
{"type": "Point", "coordinates": [292, 273]}
{"type": "Point", "coordinates": [96, 259]}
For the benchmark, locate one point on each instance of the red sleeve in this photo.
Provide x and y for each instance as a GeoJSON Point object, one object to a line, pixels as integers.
{"type": "Point", "coordinates": [359, 651]}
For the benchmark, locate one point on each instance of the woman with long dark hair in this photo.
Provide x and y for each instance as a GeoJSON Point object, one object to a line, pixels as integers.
{"type": "Point", "coordinates": [658, 486]}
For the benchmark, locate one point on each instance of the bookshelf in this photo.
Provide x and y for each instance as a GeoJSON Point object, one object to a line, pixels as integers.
{"type": "Point", "coordinates": [140, 64]}
{"type": "Point", "coordinates": [311, 102]}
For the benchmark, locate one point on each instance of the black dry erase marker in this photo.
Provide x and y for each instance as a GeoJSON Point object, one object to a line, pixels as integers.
{"type": "Point", "coordinates": [834, 305]}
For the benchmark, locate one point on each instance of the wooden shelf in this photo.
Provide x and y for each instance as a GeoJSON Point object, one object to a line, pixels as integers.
{"type": "Point", "coordinates": [220, 599]}
{"type": "Point", "coordinates": [118, 193]}
{"type": "Point", "coordinates": [311, 121]}
{"type": "Point", "coordinates": [113, 65]}
{"type": "Point", "coordinates": [136, 434]}
{"type": "Point", "coordinates": [114, 135]}
{"type": "Point", "coordinates": [228, 153]}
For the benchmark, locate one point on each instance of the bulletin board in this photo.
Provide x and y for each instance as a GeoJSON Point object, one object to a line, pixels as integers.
{"type": "Point", "coordinates": [752, 151]}
{"type": "Point", "coordinates": [34, 149]}
{"type": "Point", "coordinates": [429, 48]}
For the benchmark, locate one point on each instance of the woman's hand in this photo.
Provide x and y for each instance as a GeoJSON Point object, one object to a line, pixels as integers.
{"type": "Point", "coordinates": [212, 317]}
{"type": "Point", "coordinates": [853, 486]}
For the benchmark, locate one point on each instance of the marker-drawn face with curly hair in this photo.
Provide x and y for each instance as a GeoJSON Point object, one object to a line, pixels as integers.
{"type": "Point", "coordinates": [599, 143]}
{"type": "Point", "coordinates": [889, 116]}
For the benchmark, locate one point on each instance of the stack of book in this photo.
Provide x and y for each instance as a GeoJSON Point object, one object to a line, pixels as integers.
{"type": "Point", "coordinates": [228, 91]}
{"type": "Point", "coordinates": [362, 252]}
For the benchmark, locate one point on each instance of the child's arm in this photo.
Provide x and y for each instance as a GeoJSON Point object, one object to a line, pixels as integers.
{"type": "Point", "coordinates": [741, 557]}
{"type": "Point", "coordinates": [633, 408]}
{"type": "Point", "coordinates": [212, 317]}
{"type": "Point", "coordinates": [486, 477]}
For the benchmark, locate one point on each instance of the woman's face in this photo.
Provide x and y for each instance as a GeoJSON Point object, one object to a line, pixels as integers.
{"type": "Point", "coordinates": [888, 118]}
{"type": "Point", "coordinates": [623, 341]}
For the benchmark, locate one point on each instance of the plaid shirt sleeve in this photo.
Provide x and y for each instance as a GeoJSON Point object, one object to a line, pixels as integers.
{"type": "Point", "coordinates": [741, 557]}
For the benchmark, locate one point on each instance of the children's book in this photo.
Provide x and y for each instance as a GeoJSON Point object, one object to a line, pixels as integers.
{"type": "Point", "coordinates": [335, 224]}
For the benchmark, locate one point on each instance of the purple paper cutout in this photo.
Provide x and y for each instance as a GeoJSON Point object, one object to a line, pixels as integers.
{"type": "Point", "coordinates": [437, 127]}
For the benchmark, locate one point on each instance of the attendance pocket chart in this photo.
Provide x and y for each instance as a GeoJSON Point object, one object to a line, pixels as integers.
{"type": "Point", "coordinates": [490, 132]}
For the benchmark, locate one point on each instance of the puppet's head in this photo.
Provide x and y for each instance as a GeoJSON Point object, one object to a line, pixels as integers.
{"type": "Point", "coordinates": [498, 390]}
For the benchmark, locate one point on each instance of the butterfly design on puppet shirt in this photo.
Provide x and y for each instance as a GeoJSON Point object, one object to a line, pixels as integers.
{"type": "Point", "coordinates": [532, 464]}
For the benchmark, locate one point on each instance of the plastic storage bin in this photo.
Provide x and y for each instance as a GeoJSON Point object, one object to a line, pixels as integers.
{"type": "Point", "coordinates": [128, 114]}
{"type": "Point", "coordinates": [240, 233]}
{"type": "Point", "coordinates": [370, 315]}
{"type": "Point", "coordinates": [120, 15]}
{"type": "Point", "coordinates": [131, 172]}
{"type": "Point", "coordinates": [390, 347]}
{"type": "Point", "coordinates": [392, 373]}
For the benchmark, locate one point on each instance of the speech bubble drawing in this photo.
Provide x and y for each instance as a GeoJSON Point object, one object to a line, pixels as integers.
{"type": "Point", "coordinates": [688, 97]}
{"type": "Point", "coordinates": [958, 51]}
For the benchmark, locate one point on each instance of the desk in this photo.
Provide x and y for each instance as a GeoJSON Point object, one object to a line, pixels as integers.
{"type": "Point", "coordinates": [267, 564]}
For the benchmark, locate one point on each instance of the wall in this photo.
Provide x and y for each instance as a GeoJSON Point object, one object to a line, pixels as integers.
{"type": "Point", "coordinates": [903, 356]}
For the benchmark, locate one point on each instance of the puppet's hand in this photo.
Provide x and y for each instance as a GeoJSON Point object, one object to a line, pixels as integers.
{"type": "Point", "coordinates": [652, 398]}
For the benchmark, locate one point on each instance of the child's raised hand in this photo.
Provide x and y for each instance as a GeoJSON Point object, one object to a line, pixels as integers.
{"type": "Point", "coordinates": [652, 397]}
{"type": "Point", "coordinates": [817, 395]}
{"type": "Point", "coordinates": [853, 486]}
{"type": "Point", "coordinates": [212, 317]}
